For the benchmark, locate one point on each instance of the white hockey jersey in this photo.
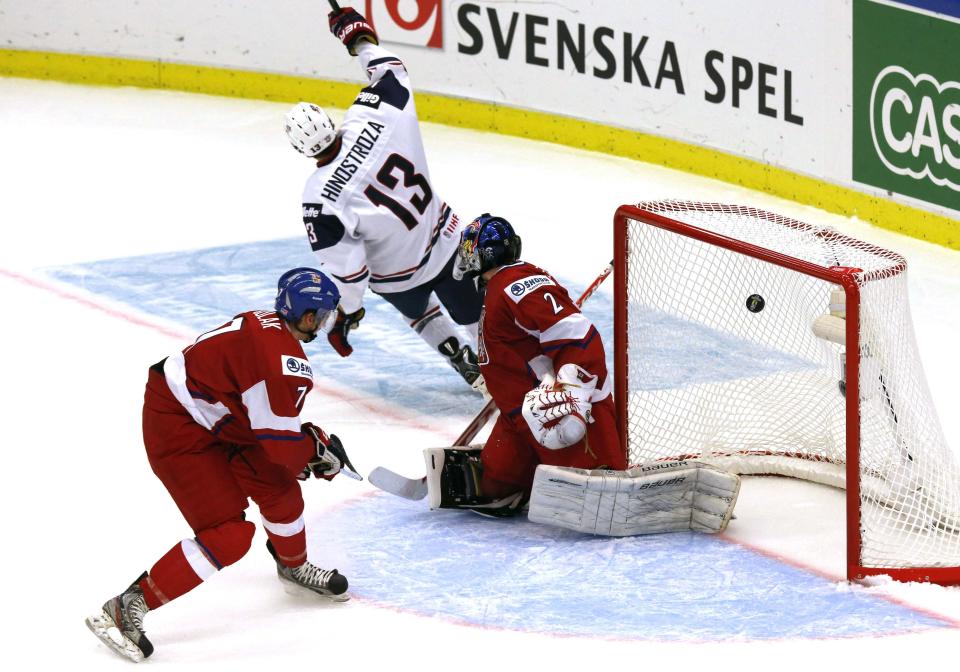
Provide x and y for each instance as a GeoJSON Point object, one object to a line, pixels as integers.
{"type": "Point", "coordinates": [371, 214]}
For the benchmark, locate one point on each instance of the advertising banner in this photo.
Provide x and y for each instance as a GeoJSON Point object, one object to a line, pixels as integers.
{"type": "Point", "coordinates": [906, 105]}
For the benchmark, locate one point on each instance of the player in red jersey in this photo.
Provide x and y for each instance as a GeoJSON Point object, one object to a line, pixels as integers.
{"type": "Point", "coordinates": [544, 365]}
{"type": "Point", "coordinates": [221, 425]}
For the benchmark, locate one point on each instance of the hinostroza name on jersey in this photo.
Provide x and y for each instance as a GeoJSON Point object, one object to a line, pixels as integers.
{"type": "Point", "coordinates": [294, 366]}
{"type": "Point", "coordinates": [519, 289]}
{"type": "Point", "coordinates": [351, 163]}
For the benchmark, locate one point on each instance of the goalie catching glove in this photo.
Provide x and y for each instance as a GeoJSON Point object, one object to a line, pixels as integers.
{"type": "Point", "coordinates": [331, 457]}
{"type": "Point", "coordinates": [558, 414]}
{"type": "Point", "coordinates": [350, 27]}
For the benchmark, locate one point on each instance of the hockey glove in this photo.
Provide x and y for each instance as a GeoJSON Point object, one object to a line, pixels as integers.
{"type": "Point", "coordinates": [338, 335]}
{"type": "Point", "coordinates": [350, 27]}
{"type": "Point", "coordinates": [331, 456]}
{"type": "Point", "coordinates": [558, 414]}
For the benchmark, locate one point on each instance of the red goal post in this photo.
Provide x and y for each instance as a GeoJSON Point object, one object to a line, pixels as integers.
{"type": "Point", "coordinates": [766, 345]}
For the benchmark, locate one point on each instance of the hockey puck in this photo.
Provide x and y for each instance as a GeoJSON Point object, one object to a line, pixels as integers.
{"type": "Point", "coordinates": [338, 583]}
{"type": "Point", "coordinates": [755, 303]}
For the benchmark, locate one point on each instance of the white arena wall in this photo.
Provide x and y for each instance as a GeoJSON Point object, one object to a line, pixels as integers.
{"type": "Point", "coordinates": [756, 92]}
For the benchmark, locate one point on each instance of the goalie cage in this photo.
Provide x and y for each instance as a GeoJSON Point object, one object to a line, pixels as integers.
{"type": "Point", "coordinates": [717, 361]}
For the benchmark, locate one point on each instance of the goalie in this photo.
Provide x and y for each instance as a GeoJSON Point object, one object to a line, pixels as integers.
{"type": "Point", "coordinates": [555, 442]}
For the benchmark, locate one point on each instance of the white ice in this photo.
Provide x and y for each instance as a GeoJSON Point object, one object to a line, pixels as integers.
{"type": "Point", "coordinates": [94, 173]}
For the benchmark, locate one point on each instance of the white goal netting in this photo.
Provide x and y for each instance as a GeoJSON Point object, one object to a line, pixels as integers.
{"type": "Point", "coordinates": [723, 364]}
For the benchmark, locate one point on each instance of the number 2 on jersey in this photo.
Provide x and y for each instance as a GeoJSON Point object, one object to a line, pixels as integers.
{"type": "Point", "coordinates": [411, 178]}
{"type": "Point", "coordinates": [556, 307]}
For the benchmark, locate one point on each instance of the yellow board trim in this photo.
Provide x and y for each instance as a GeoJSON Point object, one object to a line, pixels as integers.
{"type": "Point", "coordinates": [464, 113]}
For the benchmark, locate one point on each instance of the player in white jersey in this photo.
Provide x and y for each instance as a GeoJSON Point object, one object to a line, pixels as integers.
{"type": "Point", "coordinates": [371, 214]}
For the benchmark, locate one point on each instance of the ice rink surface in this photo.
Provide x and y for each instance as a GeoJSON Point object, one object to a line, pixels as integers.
{"type": "Point", "coordinates": [133, 220]}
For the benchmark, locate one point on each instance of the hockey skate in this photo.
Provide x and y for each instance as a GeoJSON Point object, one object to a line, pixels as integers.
{"type": "Point", "coordinates": [464, 361]}
{"type": "Point", "coordinates": [120, 624]}
{"type": "Point", "coordinates": [330, 584]}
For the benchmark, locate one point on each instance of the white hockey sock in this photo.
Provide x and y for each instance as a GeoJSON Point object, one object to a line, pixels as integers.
{"type": "Point", "coordinates": [474, 331]}
{"type": "Point", "coordinates": [434, 327]}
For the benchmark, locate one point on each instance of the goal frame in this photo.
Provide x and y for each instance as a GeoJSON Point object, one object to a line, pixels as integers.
{"type": "Point", "coordinates": [842, 276]}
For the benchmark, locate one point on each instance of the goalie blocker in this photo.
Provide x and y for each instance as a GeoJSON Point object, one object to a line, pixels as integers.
{"type": "Point", "coordinates": [660, 497]}
{"type": "Point", "coordinates": [663, 497]}
{"type": "Point", "coordinates": [453, 482]}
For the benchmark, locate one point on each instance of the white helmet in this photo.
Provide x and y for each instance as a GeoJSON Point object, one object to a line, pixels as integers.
{"type": "Point", "coordinates": [309, 129]}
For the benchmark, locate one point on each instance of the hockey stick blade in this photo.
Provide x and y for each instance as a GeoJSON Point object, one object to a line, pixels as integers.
{"type": "Point", "coordinates": [409, 488]}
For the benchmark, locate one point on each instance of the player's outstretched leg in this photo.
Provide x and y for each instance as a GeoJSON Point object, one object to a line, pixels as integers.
{"type": "Point", "coordinates": [441, 334]}
{"type": "Point", "coordinates": [120, 624]}
{"type": "Point", "coordinates": [326, 583]}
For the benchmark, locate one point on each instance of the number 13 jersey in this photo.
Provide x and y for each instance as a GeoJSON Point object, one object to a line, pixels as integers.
{"type": "Point", "coordinates": [371, 214]}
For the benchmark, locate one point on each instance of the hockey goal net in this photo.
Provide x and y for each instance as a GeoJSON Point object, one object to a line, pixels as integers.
{"type": "Point", "coordinates": [765, 345]}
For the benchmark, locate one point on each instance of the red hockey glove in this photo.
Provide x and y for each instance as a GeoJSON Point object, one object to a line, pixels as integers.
{"type": "Point", "coordinates": [338, 335]}
{"type": "Point", "coordinates": [331, 456]}
{"type": "Point", "coordinates": [350, 27]}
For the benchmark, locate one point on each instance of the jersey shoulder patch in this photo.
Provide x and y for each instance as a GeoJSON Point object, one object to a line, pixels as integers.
{"type": "Point", "coordinates": [520, 287]}
{"type": "Point", "coordinates": [387, 90]}
{"type": "Point", "coordinates": [323, 230]}
{"type": "Point", "coordinates": [296, 366]}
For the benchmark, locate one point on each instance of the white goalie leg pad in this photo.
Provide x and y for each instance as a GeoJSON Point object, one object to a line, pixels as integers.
{"type": "Point", "coordinates": [453, 482]}
{"type": "Point", "coordinates": [662, 497]}
{"type": "Point", "coordinates": [452, 475]}
{"type": "Point", "coordinates": [434, 459]}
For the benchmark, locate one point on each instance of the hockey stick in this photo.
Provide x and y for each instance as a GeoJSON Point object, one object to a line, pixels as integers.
{"type": "Point", "coordinates": [416, 488]}
{"type": "Point", "coordinates": [334, 6]}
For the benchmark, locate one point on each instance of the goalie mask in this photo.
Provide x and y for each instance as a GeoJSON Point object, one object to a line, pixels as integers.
{"type": "Point", "coordinates": [485, 243]}
{"type": "Point", "coordinates": [300, 290]}
{"type": "Point", "coordinates": [309, 129]}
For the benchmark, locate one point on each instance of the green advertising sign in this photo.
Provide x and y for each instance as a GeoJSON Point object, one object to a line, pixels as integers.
{"type": "Point", "coordinates": [906, 102]}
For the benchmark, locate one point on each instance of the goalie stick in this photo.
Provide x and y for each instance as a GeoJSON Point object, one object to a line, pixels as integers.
{"type": "Point", "coordinates": [416, 488]}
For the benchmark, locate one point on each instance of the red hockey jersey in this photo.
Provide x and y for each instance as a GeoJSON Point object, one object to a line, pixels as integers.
{"type": "Point", "coordinates": [529, 327]}
{"type": "Point", "coordinates": [245, 382]}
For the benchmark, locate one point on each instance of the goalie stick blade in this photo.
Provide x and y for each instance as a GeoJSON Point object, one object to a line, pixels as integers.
{"type": "Point", "coordinates": [401, 486]}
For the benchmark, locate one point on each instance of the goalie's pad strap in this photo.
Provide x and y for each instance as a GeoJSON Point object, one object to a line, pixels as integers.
{"type": "Point", "coordinates": [666, 497]}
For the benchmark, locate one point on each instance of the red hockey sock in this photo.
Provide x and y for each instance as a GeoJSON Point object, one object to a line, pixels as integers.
{"type": "Point", "coordinates": [174, 574]}
{"type": "Point", "coordinates": [193, 561]}
{"type": "Point", "coordinates": [289, 541]}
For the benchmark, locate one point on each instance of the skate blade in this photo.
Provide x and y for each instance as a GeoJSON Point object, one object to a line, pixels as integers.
{"type": "Point", "coordinates": [106, 630]}
{"type": "Point", "coordinates": [299, 591]}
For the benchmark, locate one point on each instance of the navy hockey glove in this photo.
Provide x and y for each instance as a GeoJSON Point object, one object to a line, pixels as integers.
{"type": "Point", "coordinates": [350, 28]}
{"type": "Point", "coordinates": [331, 456]}
{"type": "Point", "coordinates": [338, 335]}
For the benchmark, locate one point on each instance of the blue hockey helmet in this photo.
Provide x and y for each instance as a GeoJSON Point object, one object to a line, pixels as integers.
{"type": "Point", "coordinates": [303, 289]}
{"type": "Point", "coordinates": [485, 243]}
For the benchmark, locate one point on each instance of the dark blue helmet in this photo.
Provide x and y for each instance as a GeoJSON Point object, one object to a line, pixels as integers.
{"type": "Point", "coordinates": [303, 289]}
{"type": "Point", "coordinates": [485, 243]}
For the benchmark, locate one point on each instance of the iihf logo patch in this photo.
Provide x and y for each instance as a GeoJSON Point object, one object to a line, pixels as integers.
{"type": "Point", "coordinates": [294, 366]}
